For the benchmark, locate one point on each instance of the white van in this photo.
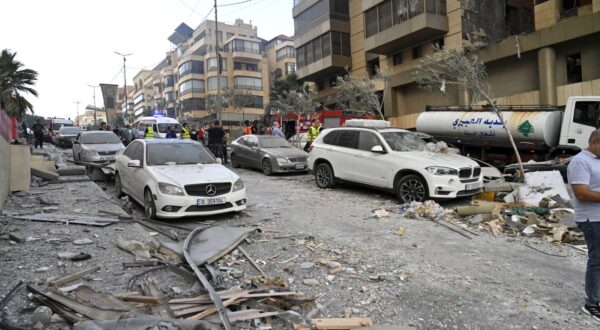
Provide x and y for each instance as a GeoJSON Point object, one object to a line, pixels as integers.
{"type": "Point", "coordinates": [159, 126]}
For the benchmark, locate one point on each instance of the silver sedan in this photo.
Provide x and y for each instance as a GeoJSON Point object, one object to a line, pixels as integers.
{"type": "Point", "coordinates": [97, 146]}
{"type": "Point", "coordinates": [271, 154]}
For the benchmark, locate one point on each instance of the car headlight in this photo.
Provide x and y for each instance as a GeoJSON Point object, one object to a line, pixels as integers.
{"type": "Point", "coordinates": [239, 185]}
{"type": "Point", "coordinates": [282, 160]}
{"type": "Point", "coordinates": [169, 189]}
{"type": "Point", "coordinates": [440, 170]}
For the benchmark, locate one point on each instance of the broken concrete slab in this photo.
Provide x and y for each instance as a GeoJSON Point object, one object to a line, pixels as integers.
{"type": "Point", "coordinates": [46, 175]}
{"type": "Point", "coordinates": [540, 185]}
{"type": "Point", "coordinates": [83, 241]}
{"type": "Point", "coordinates": [138, 249]}
{"type": "Point", "coordinates": [78, 219]}
{"type": "Point", "coordinates": [71, 170]}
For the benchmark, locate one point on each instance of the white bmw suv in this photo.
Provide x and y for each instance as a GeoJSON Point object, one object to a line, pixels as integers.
{"type": "Point", "coordinates": [392, 159]}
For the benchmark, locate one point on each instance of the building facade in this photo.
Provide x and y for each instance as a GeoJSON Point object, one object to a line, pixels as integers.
{"type": "Point", "coordinates": [536, 52]}
{"type": "Point", "coordinates": [191, 81]}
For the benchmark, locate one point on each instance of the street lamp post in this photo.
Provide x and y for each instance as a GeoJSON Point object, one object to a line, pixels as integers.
{"type": "Point", "coordinates": [95, 121]}
{"type": "Point", "coordinates": [125, 81]}
{"type": "Point", "coordinates": [77, 102]}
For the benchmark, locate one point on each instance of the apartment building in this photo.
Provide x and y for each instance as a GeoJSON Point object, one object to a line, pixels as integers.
{"type": "Point", "coordinates": [190, 80]}
{"type": "Point", "coordinates": [281, 57]}
{"type": "Point", "coordinates": [536, 52]}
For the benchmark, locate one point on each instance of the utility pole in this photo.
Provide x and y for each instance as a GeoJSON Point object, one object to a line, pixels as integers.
{"type": "Point", "coordinates": [77, 102]}
{"type": "Point", "coordinates": [95, 120]}
{"type": "Point", "coordinates": [125, 83]}
{"type": "Point", "coordinates": [219, 69]}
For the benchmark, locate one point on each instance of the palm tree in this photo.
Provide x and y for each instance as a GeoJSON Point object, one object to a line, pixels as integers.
{"type": "Point", "coordinates": [15, 83]}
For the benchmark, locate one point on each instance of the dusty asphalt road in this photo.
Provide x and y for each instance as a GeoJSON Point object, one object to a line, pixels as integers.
{"type": "Point", "coordinates": [429, 278]}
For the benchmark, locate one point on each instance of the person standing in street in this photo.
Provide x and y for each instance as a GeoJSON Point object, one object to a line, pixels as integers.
{"type": "Point", "coordinates": [277, 130]}
{"type": "Point", "coordinates": [185, 132]}
{"type": "Point", "coordinates": [254, 127]}
{"type": "Point", "coordinates": [247, 128]}
{"type": "Point", "coordinates": [583, 173]}
{"type": "Point", "coordinates": [149, 133]}
{"type": "Point", "coordinates": [171, 133]}
{"type": "Point", "coordinates": [38, 133]}
{"type": "Point", "coordinates": [313, 131]}
{"type": "Point", "coordinates": [103, 127]}
{"type": "Point", "coordinates": [216, 136]}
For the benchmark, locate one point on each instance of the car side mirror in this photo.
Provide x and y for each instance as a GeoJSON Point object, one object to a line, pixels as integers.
{"type": "Point", "coordinates": [378, 150]}
{"type": "Point", "coordinates": [75, 142]}
{"type": "Point", "coordinates": [219, 161]}
{"type": "Point", "coordinates": [254, 147]}
{"type": "Point", "coordinates": [134, 163]}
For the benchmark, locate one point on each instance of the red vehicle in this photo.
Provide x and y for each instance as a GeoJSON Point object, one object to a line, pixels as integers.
{"type": "Point", "coordinates": [328, 118]}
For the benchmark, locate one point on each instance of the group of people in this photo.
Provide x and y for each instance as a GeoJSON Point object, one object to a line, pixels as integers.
{"type": "Point", "coordinates": [313, 131]}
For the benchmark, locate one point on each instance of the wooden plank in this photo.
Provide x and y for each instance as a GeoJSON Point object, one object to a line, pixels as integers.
{"type": "Point", "coordinates": [138, 298]}
{"type": "Point", "coordinates": [192, 310]}
{"type": "Point", "coordinates": [342, 323]}
{"type": "Point", "coordinates": [243, 251]}
{"type": "Point", "coordinates": [212, 310]}
{"type": "Point", "coordinates": [204, 300]}
{"type": "Point", "coordinates": [74, 276]}
{"type": "Point", "coordinates": [181, 306]}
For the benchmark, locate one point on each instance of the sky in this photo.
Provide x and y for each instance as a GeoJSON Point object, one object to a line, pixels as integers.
{"type": "Point", "coordinates": [71, 43]}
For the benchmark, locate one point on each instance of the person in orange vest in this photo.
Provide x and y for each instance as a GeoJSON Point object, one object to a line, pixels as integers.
{"type": "Point", "coordinates": [247, 128]}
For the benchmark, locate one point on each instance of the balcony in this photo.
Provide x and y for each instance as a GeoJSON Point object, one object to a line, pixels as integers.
{"type": "Point", "coordinates": [247, 54]}
{"type": "Point", "coordinates": [387, 33]}
{"type": "Point", "coordinates": [325, 67]}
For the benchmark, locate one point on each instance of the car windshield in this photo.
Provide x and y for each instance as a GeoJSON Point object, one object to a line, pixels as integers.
{"type": "Point", "coordinates": [56, 126]}
{"type": "Point", "coordinates": [69, 130]}
{"type": "Point", "coordinates": [178, 154]}
{"type": "Point", "coordinates": [100, 138]}
{"type": "Point", "coordinates": [163, 128]}
{"type": "Point", "coordinates": [273, 142]}
{"type": "Point", "coordinates": [404, 141]}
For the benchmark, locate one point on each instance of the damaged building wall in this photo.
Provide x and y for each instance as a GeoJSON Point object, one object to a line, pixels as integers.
{"type": "Point", "coordinates": [4, 170]}
{"type": "Point", "coordinates": [502, 73]}
{"type": "Point", "coordinates": [486, 21]}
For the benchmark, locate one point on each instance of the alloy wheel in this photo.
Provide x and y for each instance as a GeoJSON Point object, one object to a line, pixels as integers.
{"type": "Point", "coordinates": [267, 167]}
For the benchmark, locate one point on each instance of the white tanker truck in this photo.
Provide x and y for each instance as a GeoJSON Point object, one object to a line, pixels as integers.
{"type": "Point", "coordinates": [540, 132]}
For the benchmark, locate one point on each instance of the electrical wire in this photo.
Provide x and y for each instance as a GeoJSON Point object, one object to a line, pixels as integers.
{"type": "Point", "coordinates": [233, 4]}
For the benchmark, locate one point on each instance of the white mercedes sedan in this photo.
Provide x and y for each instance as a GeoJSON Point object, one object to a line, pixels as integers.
{"type": "Point", "coordinates": [175, 178]}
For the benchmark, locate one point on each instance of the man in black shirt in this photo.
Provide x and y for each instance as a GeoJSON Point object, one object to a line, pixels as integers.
{"type": "Point", "coordinates": [38, 132]}
{"type": "Point", "coordinates": [216, 139]}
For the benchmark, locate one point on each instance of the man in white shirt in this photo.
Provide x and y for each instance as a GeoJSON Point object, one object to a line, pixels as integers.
{"type": "Point", "coordinates": [584, 177]}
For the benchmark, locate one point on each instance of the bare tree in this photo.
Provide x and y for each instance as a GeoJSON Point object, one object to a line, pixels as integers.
{"type": "Point", "coordinates": [299, 102]}
{"type": "Point", "coordinates": [215, 103]}
{"type": "Point", "coordinates": [459, 68]}
{"type": "Point", "coordinates": [360, 93]}
{"type": "Point", "coordinates": [239, 99]}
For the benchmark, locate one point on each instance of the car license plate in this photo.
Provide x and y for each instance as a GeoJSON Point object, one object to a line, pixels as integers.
{"type": "Point", "coordinates": [211, 201]}
{"type": "Point", "coordinates": [299, 166]}
{"type": "Point", "coordinates": [471, 186]}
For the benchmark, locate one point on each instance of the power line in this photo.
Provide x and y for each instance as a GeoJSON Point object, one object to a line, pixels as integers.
{"type": "Point", "coordinates": [233, 4]}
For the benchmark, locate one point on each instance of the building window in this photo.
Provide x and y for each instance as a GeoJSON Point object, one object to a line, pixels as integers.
{"type": "Point", "coordinates": [215, 82]}
{"type": "Point", "coordinates": [193, 104]}
{"type": "Point", "coordinates": [332, 81]}
{"type": "Point", "coordinates": [574, 68]}
{"type": "Point", "coordinates": [393, 12]}
{"type": "Point", "coordinates": [417, 52]}
{"type": "Point", "coordinates": [240, 45]}
{"type": "Point", "coordinates": [286, 52]}
{"type": "Point", "coordinates": [438, 44]}
{"type": "Point", "coordinates": [211, 64]}
{"type": "Point", "coordinates": [257, 102]}
{"type": "Point", "coordinates": [191, 86]}
{"type": "Point", "coordinates": [229, 35]}
{"type": "Point", "coordinates": [397, 59]}
{"type": "Point", "coordinates": [245, 66]}
{"type": "Point", "coordinates": [290, 68]}
{"type": "Point", "coordinates": [169, 97]}
{"type": "Point", "coordinates": [169, 81]}
{"type": "Point", "coordinates": [248, 83]}
{"type": "Point", "coordinates": [373, 66]}
{"type": "Point", "coordinates": [191, 67]}
{"type": "Point", "coordinates": [320, 85]}
{"type": "Point", "coordinates": [277, 74]}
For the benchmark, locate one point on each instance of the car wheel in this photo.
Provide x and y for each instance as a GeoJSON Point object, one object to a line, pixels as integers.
{"type": "Point", "coordinates": [119, 186]}
{"type": "Point", "coordinates": [411, 188]}
{"type": "Point", "coordinates": [267, 167]}
{"type": "Point", "coordinates": [149, 206]}
{"type": "Point", "coordinates": [234, 162]}
{"type": "Point", "coordinates": [324, 176]}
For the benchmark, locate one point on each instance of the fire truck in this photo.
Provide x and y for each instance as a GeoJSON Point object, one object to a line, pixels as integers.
{"type": "Point", "coordinates": [328, 118]}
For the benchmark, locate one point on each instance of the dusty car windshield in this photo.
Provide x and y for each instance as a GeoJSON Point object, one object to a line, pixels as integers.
{"type": "Point", "coordinates": [178, 154]}
{"type": "Point", "coordinates": [101, 138]}
{"type": "Point", "coordinates": [69, 130]}
{"type": "Point", "coordinates": [273, 142]}
{"type": "Point", "coordinates": [163, 127]}
{"type": "Point", "coordinates": [404, 141]}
